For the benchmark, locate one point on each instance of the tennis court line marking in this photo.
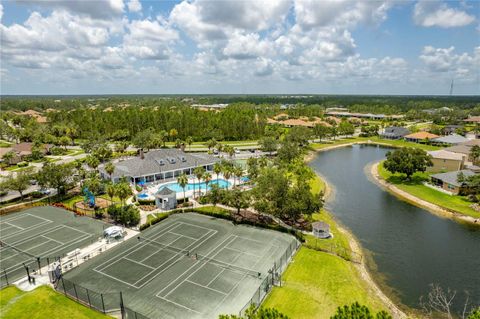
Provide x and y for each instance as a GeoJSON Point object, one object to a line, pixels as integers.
{"type": "Point", "coordinates": [67, 244]}
{"type": "Point", "coordinates": [206, 287]}
{"type": "Point", "coordinates": [137, 262]}
{"type": "Point", "coordinates": [22, 216]}
{"type": "Point", "coordinates": [179, 305]}
{"type": "Point", "coordinates": [243, 252]}
{"type": "Point", "coordinates": [156, 252]}
{"type": "Point", "coordinates": [195, 264]}
{"type": "Point", "coordinates": [134, 284]}
{"type": "Point", "coordinates": [100, 269]}
{"type": "Point", "coordinates": [171, 232]}
{"type": "Point", "coordinates": [241, 280]}
{"type": "Point", "coordinates": [21, 228]}
{"type": "Point", "coordinates": [44, 222]}
{"type": "Point", "coordinates": [127, 252]}
{"type": "Point", "coordinates": [221, 272]}
{"type": "Point", "coordinates": [196, 244]}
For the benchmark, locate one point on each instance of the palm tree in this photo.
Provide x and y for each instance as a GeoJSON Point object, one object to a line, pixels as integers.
{"type": "Point", "coordinates": [230, 150]}
{"type": "Point", "coordinates": [237, 172]}
{"type": "Point", "coordinates": [475, 153]}
{"type": "Point", "coordinates": [109, 168]}
{"type": "Point", "coordinates": [199, 171]}
{"type": "Point", "coordinates": [211, 143]}
{"type": "Point", "coordinates": [207, 177]}
{"type": "Point", "coordinates": [7, 157]}
{"type": "Point", "coordinates": [182, 180]}
{"type": "Point", "coordinates": [111, 191]}
{"type": "Point", "coordinates": [217, 168]}
{"type": "Point", "coordinates": [227, 173]}
{"type": "Point", "coordinates": [123, 190]}
{"type": "Point", "coordinates": [189, 141]}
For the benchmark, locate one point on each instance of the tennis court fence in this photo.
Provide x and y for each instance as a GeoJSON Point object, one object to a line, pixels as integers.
{"type": "Point", "coordinates": [109, 303]}
{"type": "Point", "coordinates": [274, 278]}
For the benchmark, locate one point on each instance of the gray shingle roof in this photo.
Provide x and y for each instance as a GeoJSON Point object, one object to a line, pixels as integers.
{"type": "Point", "coordinates": [165, 191]}
{"type": "Point", "coordinates": [395, 131]}
{"type": "Point", "coordinates": [451, 139]}
{"type": "Point", "coordinates": [163, 160]}
{"type": "Point", "coordinates": [452, 177]}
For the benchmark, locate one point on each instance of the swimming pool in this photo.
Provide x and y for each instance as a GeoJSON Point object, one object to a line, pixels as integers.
{"type": "Point", "coordinates": [142, 195]}
{"type": "Point", "coordinates": [191, 186]}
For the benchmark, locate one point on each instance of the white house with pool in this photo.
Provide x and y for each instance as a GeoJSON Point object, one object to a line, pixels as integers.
{"type": "Point", "coordinates": [159, 166]}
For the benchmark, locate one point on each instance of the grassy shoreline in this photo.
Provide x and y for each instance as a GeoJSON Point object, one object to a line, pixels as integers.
{"type": "Point", "coordinates": [316, 282]}
{"type": "Point", "coordinates": [456, 205]}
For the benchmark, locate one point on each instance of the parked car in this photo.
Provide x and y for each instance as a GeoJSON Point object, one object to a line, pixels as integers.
{"type": "Point", "coordinates": [45, 191]}
{"type": "Point", "coordinates": [237, 151]}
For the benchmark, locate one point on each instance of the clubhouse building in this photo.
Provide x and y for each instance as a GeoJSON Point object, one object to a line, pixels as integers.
{"type": "Point", "coordinates": [158, 166]}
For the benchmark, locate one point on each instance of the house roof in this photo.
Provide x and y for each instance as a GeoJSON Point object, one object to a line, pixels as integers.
{"type": "Point", "coordinates": [443, 154]}
{"type": "Point", "coordinates": [463, 148]}
{"type": "Point", "coordinates": [421, 136]}
{"type": "Point", "coordinates": [157, 161]}
{"type": "Point", "coordinates": [451, 139]}
{"type": "Point", "coordinates": [165, 191]}
{"type": "Point", "coordinates": [4, 150]}
{"type": "Point", "coordinates": [452, 177]}
{"type": "Point", "coordinates": [395, 131]}
{"type": "Point", "coordinates": [472, 119]}
{"type": "Point", "coordinates": [320, 226]}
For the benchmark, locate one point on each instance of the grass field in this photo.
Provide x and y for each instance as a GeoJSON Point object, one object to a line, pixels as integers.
{"type": "Point", "coordinates": [42, 302]}
{"type": "Point", "coordinates": [452, 202]}
{"type": "Point", "coordinates": [374, 139]}
{"type": "Point", "coordinates": [316, 283]}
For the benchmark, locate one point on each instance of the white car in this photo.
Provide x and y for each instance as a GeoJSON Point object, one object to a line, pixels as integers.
{"type": "Point", "coordinates": [237, 151]}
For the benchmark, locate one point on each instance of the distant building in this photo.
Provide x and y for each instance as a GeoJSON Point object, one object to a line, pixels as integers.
{"type": "Point", "coordinates": [364, 115]}
{"type": "Point", "coordinates": [464, 148]}
{"type": "Point", "coordinates": [449, 181]}
{"type": "Point", "coordinates": [159, 165]}
{"type": "Point", "coordinates": [472, 119]}
{"type": "Point", "coordinates": [445, 161]}
{"type": "Point", "coordinates": [451, 129]}
{"type": "Point", "coordinates": [394, 132]}
{"type": "Point", "coordinates": [452, 139]}
{"type": "Point", "coordinates": [420, 137]}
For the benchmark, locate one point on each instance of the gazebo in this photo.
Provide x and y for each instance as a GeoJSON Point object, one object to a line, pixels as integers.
{"type": "Point", "coordinates": [321, 230]}
{"type": "Point", "coordinates": [166, 199]}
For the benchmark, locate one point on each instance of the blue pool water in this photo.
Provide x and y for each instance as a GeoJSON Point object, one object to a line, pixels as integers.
{"type": "Point", "coordinates": [191, 186]}
{"type": "Point", "coordinates": [142, 195]}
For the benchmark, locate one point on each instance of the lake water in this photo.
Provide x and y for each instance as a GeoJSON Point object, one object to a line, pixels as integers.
{"type": "Point", "coordinates": [410, 247]}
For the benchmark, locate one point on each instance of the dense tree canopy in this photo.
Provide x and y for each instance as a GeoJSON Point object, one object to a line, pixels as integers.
{"type": "Point", "coordinates": [407, 161]}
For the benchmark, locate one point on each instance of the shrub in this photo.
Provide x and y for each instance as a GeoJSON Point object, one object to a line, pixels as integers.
{"type": "Point", "coordinates": [36, 194]}
{"type": "Point", "coordinates": [146, 201]}
{"type": "Point", "coordinates": [357, 311]}
{"type": "Point", "coordinates": [22, 164]}
{"type": "Point", "coordinates": [138, 188]}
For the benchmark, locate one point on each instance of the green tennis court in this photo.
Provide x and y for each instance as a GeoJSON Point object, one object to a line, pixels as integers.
{"type": "Point", "coordinates": [41, 232]}
{"type": "Point", "coordinates": [188, 266]}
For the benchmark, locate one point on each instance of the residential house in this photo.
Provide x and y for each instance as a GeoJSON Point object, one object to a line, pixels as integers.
{"type": "Point", "coordinates": [452, 139]}
{"type": "Point", "coordinates": [445, 161]}
{"type": "Point", "coordinates": [464, 148]}
{"type": "Point", "coordinates": [159, 165]}
{"type": "Point", "coordinates": [420, 137]}
{"type": "Point", "coordinates": [450, 129]}
{"type": "Point", "coordinates": [450, 182]}
{"type": "Point", "coordinates": [394, 132]}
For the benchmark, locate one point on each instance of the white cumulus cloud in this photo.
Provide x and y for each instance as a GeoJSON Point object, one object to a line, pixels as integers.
{"type": "Point", "coordinates": [437, 14]}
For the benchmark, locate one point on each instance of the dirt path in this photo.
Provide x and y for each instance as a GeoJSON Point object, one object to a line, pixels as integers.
{"type": "Point", "coordinates": [433, 208]}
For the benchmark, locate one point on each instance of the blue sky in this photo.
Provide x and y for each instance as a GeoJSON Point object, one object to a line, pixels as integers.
{"type": "Point", "coordinates": [203, 47]}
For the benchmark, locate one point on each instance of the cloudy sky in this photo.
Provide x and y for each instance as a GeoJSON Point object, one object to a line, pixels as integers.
{"type": "Point", "coordinates": [252, 46]}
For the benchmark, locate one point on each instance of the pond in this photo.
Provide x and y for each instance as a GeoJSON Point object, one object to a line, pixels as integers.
{"type": "Point", "coordinates": [409, 247]}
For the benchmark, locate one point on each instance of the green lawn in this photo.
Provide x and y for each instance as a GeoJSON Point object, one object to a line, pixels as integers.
{"type": "Point", "coordinates": [316, 283]}
{"type": "Point", "coordinates": [414, 187]}
{"type": "Point", "coordinates": [5, 144]}
{"type": "Point", "coordinates": [40, 303]}
{"type": "Point", "coordinates": [375, 139]}
{"type": "Point", "coordinates": [317, 185]}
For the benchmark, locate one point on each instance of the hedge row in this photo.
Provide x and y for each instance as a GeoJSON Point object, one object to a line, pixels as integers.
{"type": "Point", "coordinates": [222, 215]}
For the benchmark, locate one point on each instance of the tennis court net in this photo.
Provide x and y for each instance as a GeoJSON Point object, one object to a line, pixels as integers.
{"type": "Point", "coordinates": [171, 248]}
{"type": "Point", "coordinates": [225, 265]}
{"type": "Point", "coordinates": [5, 245]}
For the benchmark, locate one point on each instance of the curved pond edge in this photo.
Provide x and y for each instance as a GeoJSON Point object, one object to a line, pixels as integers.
{"type": "Point", "coordinates": [391, 188]}
{"type": "Point", "coordinates": [414, 200]}
{"type": "Point", "coordinates": [356, 247]}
